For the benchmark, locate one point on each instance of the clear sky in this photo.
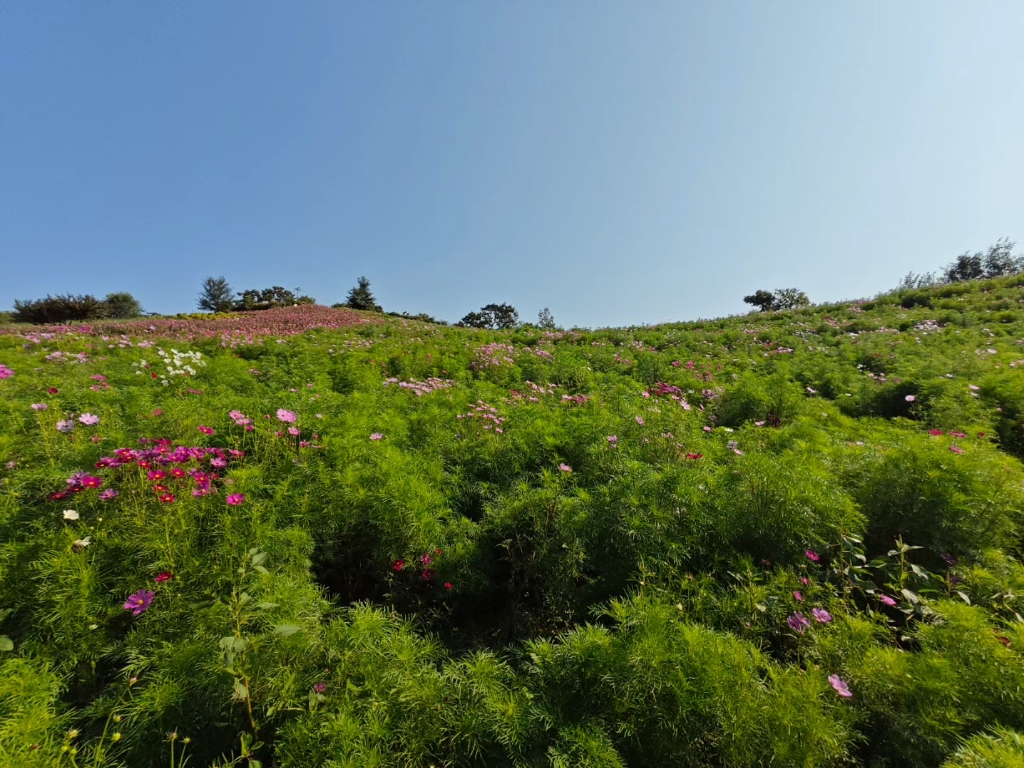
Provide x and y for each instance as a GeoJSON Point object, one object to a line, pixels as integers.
{"type": "Point", "coordinates": [620, 163]}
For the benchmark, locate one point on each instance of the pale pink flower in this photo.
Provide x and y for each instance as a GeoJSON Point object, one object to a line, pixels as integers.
{"type": "Point", "coordinates": [286, 416]}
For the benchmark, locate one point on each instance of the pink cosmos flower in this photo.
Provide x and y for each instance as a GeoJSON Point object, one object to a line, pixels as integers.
{"type": "Point", "coordinates": [887, 600]}
{"type": "Point", "coordinates": [89, 419]}
{"type": "Point", "coordinates": [5, 372]}
{"type": "Point", "coordinates": [612, 439]}
{"type": "Point", "coordinates": [798, 622]}
{"type": "Point", "coordinates": [707, 429]}
{"type": "Point", "coordinates": [167, 498]}
{"type": "Point", "coordinates": [206, 430]}
{"type": "Point", "coordinates": [565, 467]}
{"type": "Point", "coordinates": [139, 602]}
{"type": "Point", "coordinates": [294, 431]}
{"type": "Point", "coordinates": [286, 416]}
{"type": "Point", "coordinates": [39, 406]}
{"type": "Point", "coordinates": [236, 499]}
{"type": "Point", "coordinates": [821, 615]}
{"type": "Point", "coordinates": [398, 565]}
{"type": "Point", "coordinates": [376, 436]}
{"type": "Point", "coordinates": [163, 576]}
{"type": "Point", "coordinates": [639, 421]}
{"type": "Point", "coordinates": [319, 687]}
{"type": "Point", "coordinates": [65, 426]}
{"type": "Point", "coordinates": [840, 686]}
{"type": "Point", "coordinates": [936, 432]}
{"type": "Point", "coordinates": [910, 398]}
{"type": "Point", "coordinates": [108, 494]}
{"type": "Point", "coordinates": [813, 556]}
{"type": "Point", "coordinates": [798, 597]}
{"type": "Point", "coordinates": [448, 585]}
{"type": "Point", "coordinates": [956, 449]}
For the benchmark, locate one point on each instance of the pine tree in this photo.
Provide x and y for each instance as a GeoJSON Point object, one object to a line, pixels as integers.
{"type": "Point", "coordinates": [361, 298]}
{"type": "Point", "coordinates": [216, 295]}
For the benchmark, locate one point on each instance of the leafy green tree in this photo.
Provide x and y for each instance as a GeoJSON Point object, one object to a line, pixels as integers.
{"type": "Point", "coordinates": [59, 309]}
{"type": "Point", "coordinates": [269, 298]}
{"type": "Point", "coordinates": [492, 316]}
{"type": "Point", "coordinates": [790, 298]}
{"type": "Point", "coordinates": [122, 305]}
{"type": "Point", "coordinates": [545, 319]}
{"type": "Point", "coordinates": [216, 295]}
{"type": "Point", "coordinates": [360, 297]}
{"type": "Point", "coordinates": [763, 300]}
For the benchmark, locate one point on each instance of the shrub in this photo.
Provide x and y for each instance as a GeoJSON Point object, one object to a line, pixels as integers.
{"type": "Point", "coordinates": [122, 306]}
{"type": "Point", "coordinates": [59, 309]}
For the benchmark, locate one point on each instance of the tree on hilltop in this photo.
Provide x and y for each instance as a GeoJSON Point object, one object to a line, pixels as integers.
{"type": "Point", "coordinates": [782, 298]}
{"type": "Point", "coordinates": [360, 297]}
{"type": "Point", "coordinates": [216, 296]}
{"type": "Point", "coordinates": [122, 305]}
{"type": "Point", "coordinates": [492, 316]}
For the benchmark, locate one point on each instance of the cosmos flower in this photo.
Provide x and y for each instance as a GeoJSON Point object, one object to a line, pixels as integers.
{"type": "Point", "coordinates": [565, 467]}
{"type": "Point", "coordinates": [840, 686]}
{"type": "Point", "coordinates": [813, 556]}
{"type": "Point", "coordinates": [376, 436]}
{"type": "Point", "coordinates": [821, 615]}
{"type": "Point", "coordinates": [70, 514]}
{"type": "Point", "coordinates": [288, 417]}
{"type": "Point", "coordinates": [887, 600]}
{"type": "Point", "coordinates": [65, 426]}
{"type": "Point", "coordinates": [139, 602]}
{"type": "Point", "coordinates": [89, 419]}
{"type": "Point", "coordinates": [206, 430]}
{"type": "Point", "coordinates": [163, 576]}
{"type": "Point", "coordinates": [236, 499]}
{"type": "Point", "coordinates": [39, 406]}
{"type": "Point", "coordinates": [107, 494]}
{"type": "Point", "coordinates": [798, 622]}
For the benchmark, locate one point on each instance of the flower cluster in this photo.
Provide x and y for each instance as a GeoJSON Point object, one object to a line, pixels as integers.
{"type": "Point", "coordinates": [485, 412]}
{"type": "Point", "coordinates": [420, 388]}
{"type": "Point", "coordinates": [493, 355]}
{"type": "Point", "coordinates": [661, 389]}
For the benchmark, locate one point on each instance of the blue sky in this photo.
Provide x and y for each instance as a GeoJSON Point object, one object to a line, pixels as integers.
{"type": "Point", "coordinates": [620, 163]}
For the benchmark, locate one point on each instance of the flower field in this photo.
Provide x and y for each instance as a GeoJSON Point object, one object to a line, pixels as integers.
{"type": "Point", "coordinates": [315, 537]}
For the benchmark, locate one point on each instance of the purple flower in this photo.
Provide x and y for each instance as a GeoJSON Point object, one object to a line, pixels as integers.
{"type": "Point", "coordinates": [89, 419]}
{"type": "Point", "coordinates": [39, 406]}
{"type": "Point", "coordinates": [798, 622]}
{"type": "Point", "coordinates": [139, 602]}
{"type": "Point", "coordinates": [812, 556]}
{"type": "Point", "coordinates": [948, 559]}
{"type": "Point", "coordinates": [65, 426]}
{"type": "Point", "coordinates": [821, 615]}
{"type": "Point", "coordinates": [108, 494]}
{"type": "Point", "coordinates": [840, 685]}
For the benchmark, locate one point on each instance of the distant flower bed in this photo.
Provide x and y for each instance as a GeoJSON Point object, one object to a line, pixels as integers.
{"type": "Point", "coordinates": [231, 329]}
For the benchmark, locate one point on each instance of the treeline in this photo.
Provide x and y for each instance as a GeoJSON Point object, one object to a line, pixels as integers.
{"type": "Point", "coordinates": [69, 307]}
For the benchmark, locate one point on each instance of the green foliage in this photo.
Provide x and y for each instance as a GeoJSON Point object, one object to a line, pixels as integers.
{"type": "Point", "coordinates": [268, 298]}
{"type": "Point", "coordinates": [59, 309]}
{"type": "Point", "coordinates": [122, 306]}
{"type": "Point", "coordinates": [494, 316]}
{"type": "Point", "coordinates": [521, 548]}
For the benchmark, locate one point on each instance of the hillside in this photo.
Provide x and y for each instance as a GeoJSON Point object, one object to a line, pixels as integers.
{"type": "Point", "coordinates": [313, 537]}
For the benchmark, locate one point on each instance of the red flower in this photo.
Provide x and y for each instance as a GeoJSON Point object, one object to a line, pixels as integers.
{"type": "Point", "coordinates": [448, 585]}
{"type": "Point", "coordinates": [167, 498]}
{"type": "Point", "coordinates": [428, 574]}
{"type": "Point", "coordinates": [164, 576]}
{"type": "Point", "coordinates": [398, 565]}
{"type": "Point", "coordinates": [160, 488]}
{"type": "Point", "coordinates": [53, 390]}
{"type": "Point", "coordinates": [205, 430]}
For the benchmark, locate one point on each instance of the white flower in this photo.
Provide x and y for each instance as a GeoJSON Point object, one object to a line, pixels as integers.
{"type": "Point", "coordinates": [70, 514]}
{"type": "Point", "coordinates": [82, 543]}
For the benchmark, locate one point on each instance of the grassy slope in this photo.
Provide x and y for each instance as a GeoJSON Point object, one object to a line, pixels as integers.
{"type": "Point", "coordinates": [452, 595]}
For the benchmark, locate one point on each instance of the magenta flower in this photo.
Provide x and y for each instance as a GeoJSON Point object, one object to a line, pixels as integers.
{"type": "Point", "coordinates": [39, 406]}
{"type": "Point", "coordinates": [639, 421]}
{"type": "Point", "coordinates": [294, 431]}
{"type": "Point", "coordinates": [376, 436]}
{"type": "Point", "coordinates": [108, 494]}
{"type": "Point", "coordinates": [612, 440]}
{"type": "Point", "coordinates": [821, 615]}
{"type": "Point", "coordinates": [798, 622]}
{"type": "Point", "coordinates": [565, 467]}
{"type": "Point", "coordinates": [89, 419]}
{"type": "Point", "coordinates": [813, 556]}
{"type": "Point", "coordinates": [5, 372]}
{"type": "Point", "coordinates": [236, 499]}
{"type": "Point", "coordinates": [139, 602]}
{"type": "Point", "coordinates": [319, 687]}
{"type": "Point", "coordinates": [840, 686]}
{"type": "Point", "coordinates": [956, 449]}
{"type": "Point", "coordinates": [798, 597]}
{"type": "Point", "coordinates": [163, 576]}
{"type": "Point", "coordinates": [887, 600]}
{"type": "Point", "coordinates": [398, 565]}
{"type": "Point", "coordinates": [206, 430]}
{"type": "Point", "coordinates": [287, 417]}
{"type": "Point", "coordinates": [65, 426]}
